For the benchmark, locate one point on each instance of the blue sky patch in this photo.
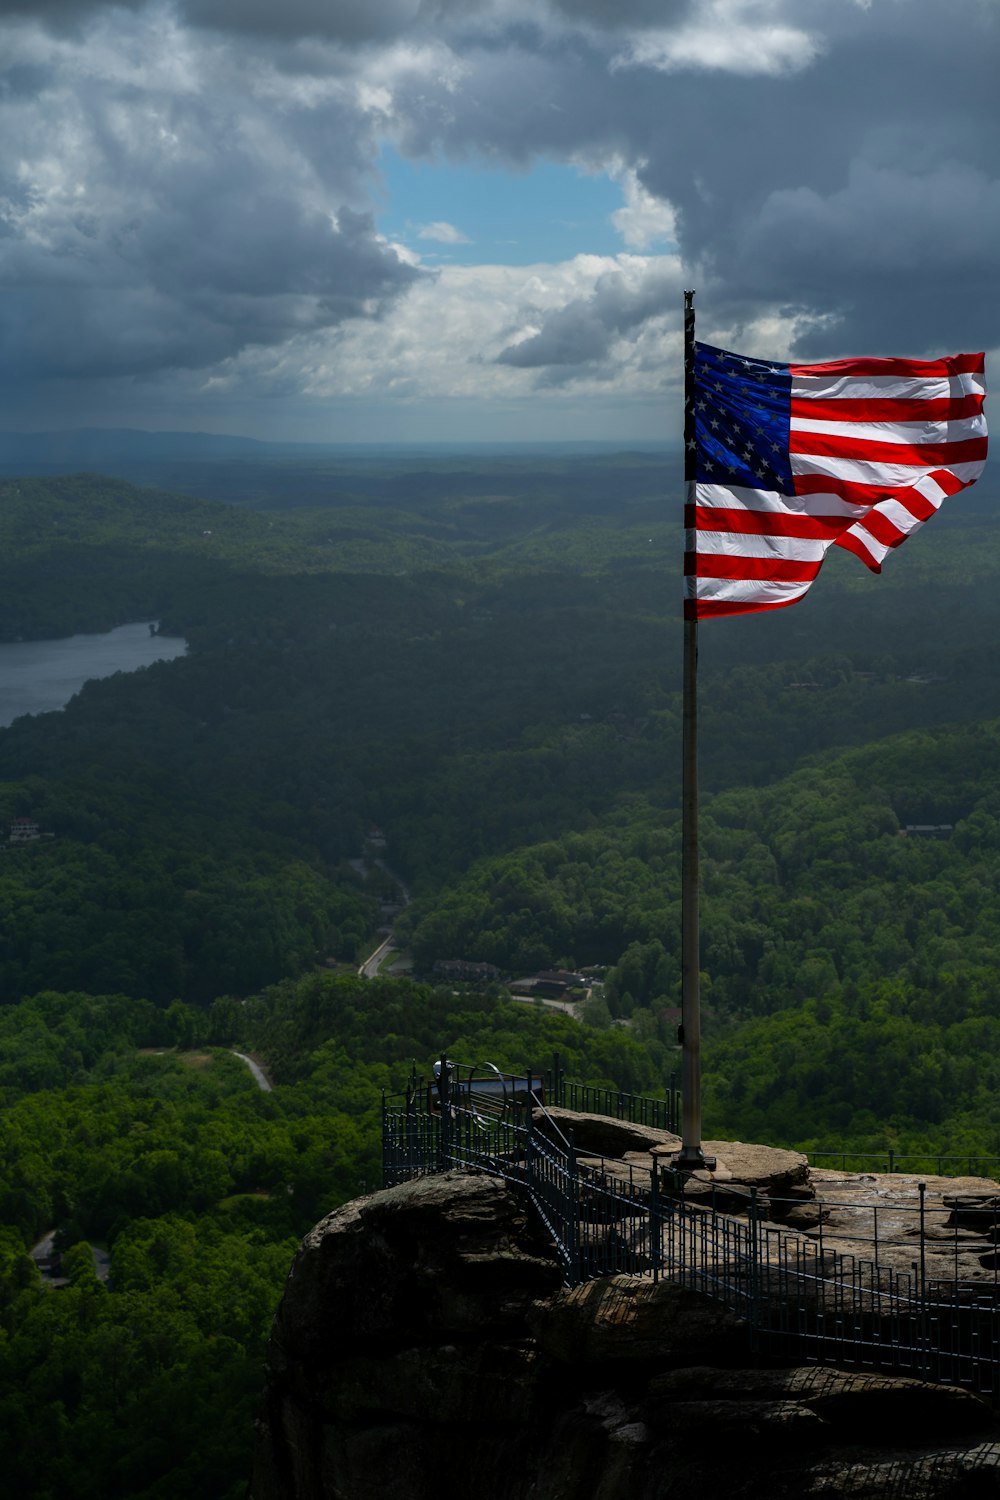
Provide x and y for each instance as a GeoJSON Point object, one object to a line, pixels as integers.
{"type": "Point", "coordinates": [549, 213]}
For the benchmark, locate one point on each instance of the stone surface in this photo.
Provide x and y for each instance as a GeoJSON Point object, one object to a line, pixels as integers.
{"type": "Point", "coordinates": [625, 1151]}
{"type": "Point", "coordinates": [425, 1347]}
{"type": "Point", "coordinates": [780, 1179]}
{"type": "Point", "coordinates": [599, 1135]}
{"type": "Point", "coordinates": [862, 1207]}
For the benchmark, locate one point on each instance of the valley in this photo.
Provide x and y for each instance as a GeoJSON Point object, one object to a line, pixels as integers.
{"type": "Point", "coordinates": [482, 664]}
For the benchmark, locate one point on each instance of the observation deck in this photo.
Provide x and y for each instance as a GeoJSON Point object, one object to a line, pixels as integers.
{"type": "Point", "coordinates": [878, 1298]}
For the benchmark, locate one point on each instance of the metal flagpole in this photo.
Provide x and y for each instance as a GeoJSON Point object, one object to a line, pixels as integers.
{"type": "Point", "coordinates": [690, 1157]}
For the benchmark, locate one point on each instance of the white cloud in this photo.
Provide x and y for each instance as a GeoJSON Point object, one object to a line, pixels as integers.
{"type": "Point", "coordinates": [443, 233]}
{"type": "Point", "coordinates": [732, 36]}
{"type": "Point", "coordinates": [446, 337]}
{"type": "Point", "coordinates": [435, 369]}
{"type": "Point", "coordinates": [644, 220]}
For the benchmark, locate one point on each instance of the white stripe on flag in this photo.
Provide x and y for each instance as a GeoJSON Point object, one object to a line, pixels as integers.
{"type": "Point", "coordinates": [778, 548]}
{"type": "Point", "coordinates": [887, 387]}
{"type": "Point", "coordinates": [883, 476]}
{"type": "Point", "coordinates": [718, 496]}
{"type": "Point", "coordinates": [745, 591]}
{"type": "Point", "coordinates": [915, 433]}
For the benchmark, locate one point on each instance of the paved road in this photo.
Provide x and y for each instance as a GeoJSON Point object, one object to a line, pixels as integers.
{"type": "Point", "coordinates": [262, 1080]}
{"type": "Point", "coordinates": [370, 967]}
{"type": "Point", "coordinates": [374, 961]}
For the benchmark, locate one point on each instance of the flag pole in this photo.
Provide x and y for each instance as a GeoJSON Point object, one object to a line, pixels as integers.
{"type": "Point", "coordinates": [690, 1157]}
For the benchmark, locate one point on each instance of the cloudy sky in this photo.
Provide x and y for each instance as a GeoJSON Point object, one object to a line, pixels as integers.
{"type": "Point", "coordinates": [441, 220]}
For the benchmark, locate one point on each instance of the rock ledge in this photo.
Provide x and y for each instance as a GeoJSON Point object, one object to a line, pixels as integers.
{"type": "Point", "coordinates": [425, 1347]}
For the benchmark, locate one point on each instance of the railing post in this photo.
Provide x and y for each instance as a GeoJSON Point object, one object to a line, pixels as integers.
{"type": "Point", "coordinates": [573, 1214]}
{"type": "Point", "coordinates": [444, 1101]}
{"type": "Point", "coordinates": [754, 1252]}
{"type": "Point", "coordinates": [925, 1351]}
{"type": "Point", "coordinates": [819, 1269]}
{"type": "Point", "coordinates": [385, 1143]}
{"type": "Point", "coordinates": [655, 1227]}
{"type": "Point", "coordinates": [411, 1122]}
{"type": "Point", "coordinates": [875, 1231]}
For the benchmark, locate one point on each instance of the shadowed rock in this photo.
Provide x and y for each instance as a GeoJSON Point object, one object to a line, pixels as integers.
{"type": "Point", "coordinates": [425, 1347]}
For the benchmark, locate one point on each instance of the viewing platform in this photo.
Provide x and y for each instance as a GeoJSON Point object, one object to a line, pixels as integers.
{"type": "Point", "coordinates": [877, 1270]}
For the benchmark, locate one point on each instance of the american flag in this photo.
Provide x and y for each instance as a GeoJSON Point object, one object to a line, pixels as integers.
{"type": "Point", "coordinates": [791, 459]}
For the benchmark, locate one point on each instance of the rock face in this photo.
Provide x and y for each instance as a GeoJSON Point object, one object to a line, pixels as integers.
{"type": "Point", "coordinates": [425, 1347]}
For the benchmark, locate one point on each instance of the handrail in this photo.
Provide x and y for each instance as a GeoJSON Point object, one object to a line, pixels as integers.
{"type": "Point", "coordinates": [890, 1160]}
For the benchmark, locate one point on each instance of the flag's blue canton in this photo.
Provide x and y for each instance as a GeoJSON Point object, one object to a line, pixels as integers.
{"type": "Point", "coordinates": [742, 412]}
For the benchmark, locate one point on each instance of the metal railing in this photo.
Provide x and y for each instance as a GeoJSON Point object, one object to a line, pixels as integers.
{"type": "Point", "coordinates": [598, 1099]}
{"type": "Point", "coordinates": [890, 1160]}
{"type": "Point", "coordinates": [801, 1294]}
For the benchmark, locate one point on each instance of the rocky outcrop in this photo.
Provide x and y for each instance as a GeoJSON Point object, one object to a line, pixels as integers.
{"type": "Point", "coordinates": [425, 1347]}
{"type": "Point", "coordinates": [778, 1180]}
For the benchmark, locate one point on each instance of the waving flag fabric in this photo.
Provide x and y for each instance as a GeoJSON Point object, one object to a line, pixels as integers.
{"type": "Point", "coordinates": [792, 459]}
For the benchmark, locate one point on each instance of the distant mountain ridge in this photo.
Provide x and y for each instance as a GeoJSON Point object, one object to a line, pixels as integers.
{"type": "Point", "coordinates": [87, 446]}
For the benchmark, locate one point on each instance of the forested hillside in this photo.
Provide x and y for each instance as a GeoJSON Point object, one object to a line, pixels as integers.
{"type": "Point", "coordinates": [133, 1128]}
{"type": "Point", "coordinates": [483, 663]}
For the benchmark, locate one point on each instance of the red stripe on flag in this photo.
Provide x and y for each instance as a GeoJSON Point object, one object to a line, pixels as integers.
{"type": "Point", "coordinates": [740, 568]}
{"type": "Point", "coordinates": [885, 409]}
{"type": "Point", "coordinates": [764, 522]}
{"type": "Point", "coordinates": [922, 369]}
{"type": "Point", "coordinates": [885, 530]}
{"type": "Point", "coordinates": [844, 489]}
{"type": "Point", "coordinates": [863, 450]}
{"type": "Point", "coordinates": [850, 543]}
{"type": "Point", "coordinates": [700, 609]}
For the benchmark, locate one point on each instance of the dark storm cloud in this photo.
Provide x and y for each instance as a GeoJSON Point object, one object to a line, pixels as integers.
{"type": "Point", "coordinates": [191, 306]}
{"type": "Point", "coordinates": [875, 211]}
{"type": "Point", "coordinates": [858, 187]}
{"type": "Point", "coordinates": [348, 21]}
{"type": "Point", "coordinates": [42, 10]}
{"type": "Point", "coordinates": [60, 15]}
{"type": "Point", "coordinates": [351, 22]}
{"type": "Point", "coordinates": [621, 15]}
{"type": "Point", "coordinates": [354, 21]}
{"type": "Point", "coordinates": [175, 226]}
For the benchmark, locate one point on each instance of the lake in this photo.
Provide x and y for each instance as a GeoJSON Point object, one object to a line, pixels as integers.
{"type": "Point", "coordinates": [38, 676]}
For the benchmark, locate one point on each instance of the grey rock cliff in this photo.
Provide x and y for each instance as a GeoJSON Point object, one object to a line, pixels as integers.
{"type": "Point", "coordinates": [425, 1347]}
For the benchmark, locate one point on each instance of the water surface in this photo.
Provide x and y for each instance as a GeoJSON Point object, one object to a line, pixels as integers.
{"type": "Point", "coordinates": [39, 676]}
